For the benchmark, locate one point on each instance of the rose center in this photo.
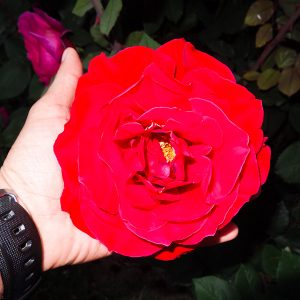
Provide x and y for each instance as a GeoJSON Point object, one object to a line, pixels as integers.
{"type": "Point", "coordinates": [168, 151]}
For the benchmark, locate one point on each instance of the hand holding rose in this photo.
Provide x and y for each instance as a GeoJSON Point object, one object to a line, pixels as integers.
{"type": "Point", "coordinates": [162, 149]}
{"type": "Point", "coordinates": [32, 172]}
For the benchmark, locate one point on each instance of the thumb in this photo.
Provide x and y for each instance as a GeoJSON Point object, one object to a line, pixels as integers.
{"type": "Point", "coordinates": [63, 88]}
{"type": "Point", "coordinates": [226, 234]}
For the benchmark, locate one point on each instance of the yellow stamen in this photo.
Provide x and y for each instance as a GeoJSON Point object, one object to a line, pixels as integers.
{"type": "Point", "coordinates": [168, 151]}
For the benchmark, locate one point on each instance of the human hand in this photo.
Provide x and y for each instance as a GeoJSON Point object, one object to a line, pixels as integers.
{"type": "Point", "coordinates": [32, 172]}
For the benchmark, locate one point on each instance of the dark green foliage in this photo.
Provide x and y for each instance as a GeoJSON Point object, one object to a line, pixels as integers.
{"type": "Point", "coordinates": [263, 262]}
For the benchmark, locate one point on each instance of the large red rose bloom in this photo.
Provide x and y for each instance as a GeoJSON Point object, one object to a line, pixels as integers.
{"type": "Point", "coordinates": [162, 149]}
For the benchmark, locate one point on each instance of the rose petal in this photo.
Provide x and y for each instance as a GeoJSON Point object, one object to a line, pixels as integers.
{"type": "Point", "coordinates": [96, 178]}
{"type": "Point", "coordinates": [187, 124]}
{"type": "Point", "coordinates": [250, 177]}
{"type": "Point", "coordinates": [129, 130]}
{"type": "Point", "coordinates": [148, 93]}
{"type": "Point", "coordinates": [111, 69]}
{"type": "Point", "coordinates": [132, 159]}
{"type": "Point", "coordinates": [54, 23]}
{"type": "Point", "coordinates": [188, 58]}
{"type": "Point", "coordinates": [96, 96]}
{"type": "Point", "coordinates": [256, 139]}
{"type": "Point", "coordinates": [263, 159]}
{"type": "Point", "coordinates": [196, 129]}
{"type": "Point", "coordinates": [229, 159]}
{"type": "Point", "coordinates": [118, 238]}
{"type": "Point", "coordinates": [140, 197]}
{"type": "Point", "coordinates": [200, 171]}
{"type": "Point", "coordinates": [167, 233]}
{"type": "Point", "coordinates": [74, 210]}
{"type": "Point", "coordinates": [157, 166]}
{"type": "Point", "coordinates": [133, 197]}
{"type": "Point", "coordinates": [199, 150]}
{"type": "Point", "coordinates": [213, 220]}
{"type": "Point", "coordinates": [233, 99]}
{"type": "Point", "coordinates": [240, 201]}
{"type": "Point", "coordinates": [190, 205]}
{"type": "Point", "coordinates": [172, 252]}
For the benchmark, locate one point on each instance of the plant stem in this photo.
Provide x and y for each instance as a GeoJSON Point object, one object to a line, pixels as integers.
{"type": "Point", "coordinates": [280, 35]}
{"type": "Point", "coordinates": [98, 7]}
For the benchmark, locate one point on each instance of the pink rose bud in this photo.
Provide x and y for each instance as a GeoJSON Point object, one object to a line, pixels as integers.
{"type": "Point", "coordinates": [45, 42]}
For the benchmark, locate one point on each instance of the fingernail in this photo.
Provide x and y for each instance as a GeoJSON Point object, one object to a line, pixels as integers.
{"type": "Point", "coordinates": [65, 53]}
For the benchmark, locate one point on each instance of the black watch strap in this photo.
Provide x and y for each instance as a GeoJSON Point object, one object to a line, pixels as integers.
{"type": "Point", "coordinates": [20, 249]}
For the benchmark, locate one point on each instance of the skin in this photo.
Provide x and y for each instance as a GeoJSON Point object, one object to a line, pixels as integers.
{"type": "Point", "coordinates": [33, 173]}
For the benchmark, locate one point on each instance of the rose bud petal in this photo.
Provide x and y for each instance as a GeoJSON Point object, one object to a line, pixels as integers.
{"type": "Point", "coordinates": [45, 41]}
{"type": "Point", "coordinates": [165, 151]}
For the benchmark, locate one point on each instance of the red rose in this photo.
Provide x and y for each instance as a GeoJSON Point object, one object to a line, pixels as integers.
{"type": "Point", "coordinates": [162, 150]}
{"type": "Point", "coordinates": [45, 42]}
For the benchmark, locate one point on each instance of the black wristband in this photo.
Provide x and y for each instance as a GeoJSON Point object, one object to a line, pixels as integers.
{"type": "Point", "coordinates": [20, 249]}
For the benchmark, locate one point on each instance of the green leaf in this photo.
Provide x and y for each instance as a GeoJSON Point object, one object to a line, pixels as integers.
{"type": "Point", "coordinates": [36, 89]}
{"type": "Point", "coordinates": [269, 62]}
{"type": "Point", "coordinates": [280, 220]}
{"type": "Point", "coordinates": [289, 6]}
{"type": "Point", "coordinates": [98, 37]}
{"type": "Point", "coordinates": [193, 12]}
{"type": "Point", "coordinates": [110, 16]}
{"type": "Point", "coordinates": [281, 20]}
{"type": "Point", "coordinates": [82, 7]}
{"type": "Point", "coordinates": [14, 78]}
{"type": "Point", "coordinates": [291, 238]}
{"type": "Point", "coordinates": [263, 35]}
{"type": "Point", "coordinates": [267, 79]}
{"type": "Point", "coordinates": [259, 12]}
{"type": "Point", "coordinates": [247, 282]}
{"type": "Point", "coordinates": [4, 22]}
{"type": "Point", "coordinates": [288, 273]}
{"type": "Point", "coordinates": [221, 47]}
{"type": "Point", "coordinates": [10, 133]}
{"type": "Point", "coordinates": [294, 34]}
{"type": "Point", "coordinates": [15, 8]}
{"type": "Point", "coordinates": [154, 16]}
{"type": "Point", "coordinates": [251, 75]}
{"type": "Point", "coordinates": [288, 164]}
{"type": "Point", "coordinates": [274, 118]}
{"type": "Point", "coordinates": [289, 81]}
{"type": "Point", "coordinates": [270, 260]}
{"type": "Point", "coordinates": [296, 210]}
{"type": "Point", "coordinates": [272, 98]}
{"type": "Point", "coordinates": [285, 57]}
{"type": "Point", "coordinates": [294, 117]}
{"type": "Point", "coordinates": [81, 38]}
{"type": "Point", "coordinates": [297, 64]}
{"type": "Point", "coordinates": [141, 38]}
{"type": "Point", "coordinates": [14, 48]}
{"type": "Point", "coordinates": [174, 10]}
{"type": "Point", "coordinates": [213, 288]}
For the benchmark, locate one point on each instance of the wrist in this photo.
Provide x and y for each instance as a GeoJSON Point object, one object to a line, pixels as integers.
{"type": "Point", "coordinates": [15, 189]}
{"type": "Point", "coordinates": [20, 249]}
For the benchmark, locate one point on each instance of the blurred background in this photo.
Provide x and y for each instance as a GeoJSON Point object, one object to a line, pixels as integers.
{"type": "Point", "coordinates": [260, 42]}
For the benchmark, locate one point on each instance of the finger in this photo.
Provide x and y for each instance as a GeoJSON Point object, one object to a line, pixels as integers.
{"type": "Point", "coordinates": [228, 233]}
{"type": "Point", "coordinates": [62, 89]}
